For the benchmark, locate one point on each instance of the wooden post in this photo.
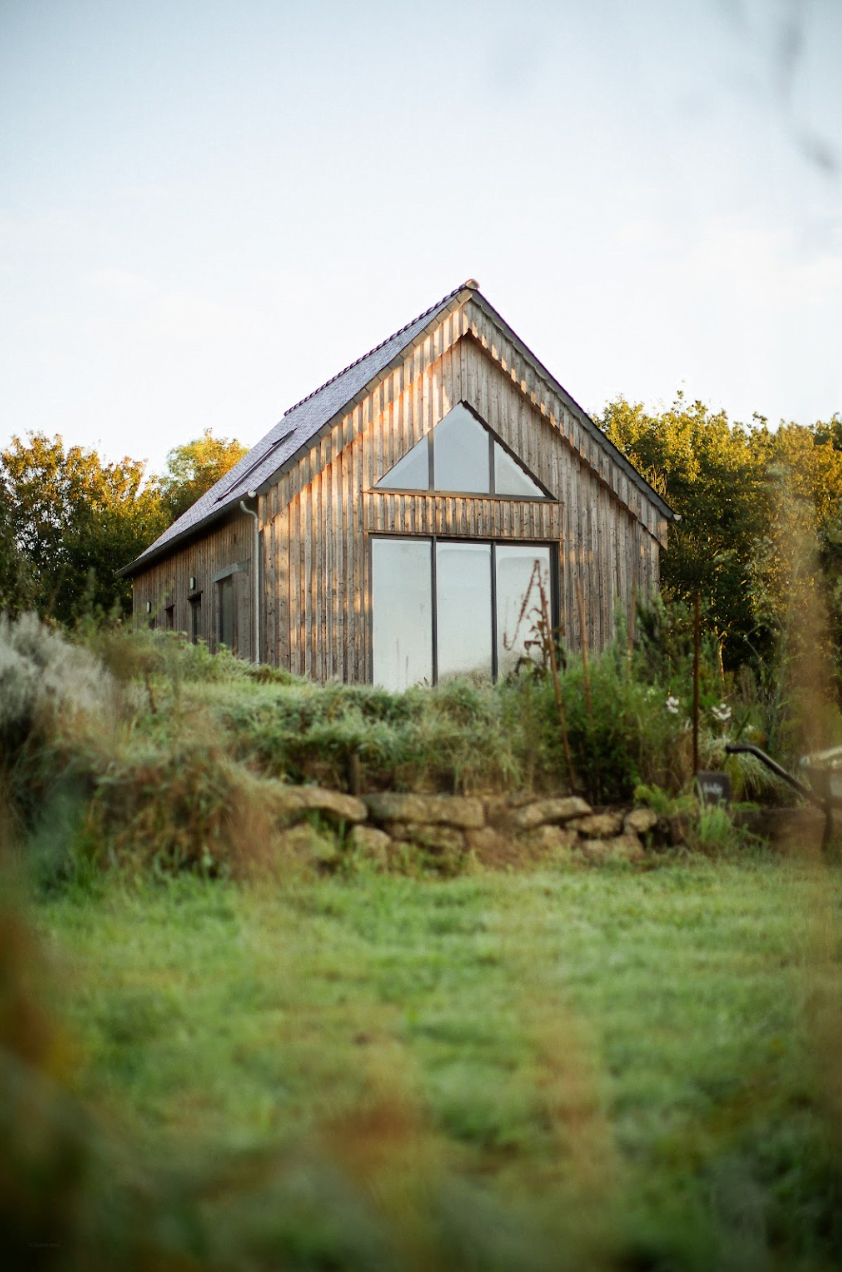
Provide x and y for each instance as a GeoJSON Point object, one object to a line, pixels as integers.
{"type": "Point", "coordinates": [547, 634]}
{"type": "Point", "coordinates": [696, 644]}
{"type": "Point", "coordinates": [583, 628]}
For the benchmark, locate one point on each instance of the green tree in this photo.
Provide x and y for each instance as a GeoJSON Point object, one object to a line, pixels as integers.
{"type": "Point", "coordinates": [745, 496]}
{"type": "Point", "coordinates": [17, 590]}
{"type": "Point", "coordinates": [74, 520]}
{"type": "Point", "coordinates": [715, 479]}
{"type": "Point", "coordinates": [194, 467]}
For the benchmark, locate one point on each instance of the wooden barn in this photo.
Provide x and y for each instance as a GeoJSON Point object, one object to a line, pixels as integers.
{"type": "Point", "coordinates": [387, 528]}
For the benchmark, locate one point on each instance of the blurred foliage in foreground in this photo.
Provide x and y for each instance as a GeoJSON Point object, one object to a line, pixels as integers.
{"type": "Point", "coordinates": [491, 1073]}
{"type": "Point", "coordinates": [616, 1069]}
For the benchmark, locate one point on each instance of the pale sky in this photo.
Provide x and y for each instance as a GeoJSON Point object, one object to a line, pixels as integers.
{"type": "Point", "coordinates": [208, 207]}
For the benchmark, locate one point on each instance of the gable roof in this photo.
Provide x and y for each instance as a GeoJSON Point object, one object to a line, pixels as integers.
{"type": "Point", "coordinates": [302, 423]}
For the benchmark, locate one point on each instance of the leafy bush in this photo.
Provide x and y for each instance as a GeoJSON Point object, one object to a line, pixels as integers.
{"type": "Point", "coordinates": [54, 698]}
{"type": "Point", "coordinates": [43, 675]}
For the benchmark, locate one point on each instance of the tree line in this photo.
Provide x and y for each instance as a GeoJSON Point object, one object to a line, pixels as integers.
{"type": "Point", "coordinates": [760, 530]}
{"type": "Point", "coordinates": [759, 536]}
{"type": "Point", "coordinates": [69, 520]}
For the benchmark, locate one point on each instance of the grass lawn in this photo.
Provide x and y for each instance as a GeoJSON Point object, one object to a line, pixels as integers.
{"type": "Point", "coordinates": [597, 1068]}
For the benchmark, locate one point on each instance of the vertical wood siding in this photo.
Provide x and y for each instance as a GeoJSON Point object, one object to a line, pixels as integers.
{"type": "Point", "coordinates": [319, 523]}
{"type": "Point", "coordinates": [168, 583]}
{"type": "Point", "coordinates": [318, 518]}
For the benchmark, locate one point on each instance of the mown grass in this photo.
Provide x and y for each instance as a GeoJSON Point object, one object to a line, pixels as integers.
{"type": "Point", "coordinates": [585, 1069]}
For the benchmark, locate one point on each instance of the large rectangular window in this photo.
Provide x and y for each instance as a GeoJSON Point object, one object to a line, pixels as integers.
{"type": "Point", "coordinates": [403, 612]}
{"type": "Point", "coordinates": [463, 608]}
{"type": "Point", "coordinates": [444, 607]}
{"type": "Point", "coordinates": [520, 566]}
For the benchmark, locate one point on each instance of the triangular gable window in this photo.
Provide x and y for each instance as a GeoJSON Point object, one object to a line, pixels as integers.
{"type": "Point", "coordinates": [460, 454]}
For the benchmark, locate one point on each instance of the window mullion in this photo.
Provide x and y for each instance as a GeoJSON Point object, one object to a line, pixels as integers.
{"type": "Point", "coordinates": [494, 611]}
{"type": "Point", "coordinates": [435, 609]}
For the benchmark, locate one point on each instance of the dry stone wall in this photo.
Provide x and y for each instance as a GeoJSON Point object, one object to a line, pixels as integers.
{"type": "Point", "coordinates": [445, 831]}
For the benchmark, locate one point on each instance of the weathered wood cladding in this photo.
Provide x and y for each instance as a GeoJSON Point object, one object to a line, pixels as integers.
{"type": "Point", "coordinates": [167, 583]}
{"type": "Point", "coordinates": [461, 516]}
{"type": "Point", "coordinates": [319, 516]}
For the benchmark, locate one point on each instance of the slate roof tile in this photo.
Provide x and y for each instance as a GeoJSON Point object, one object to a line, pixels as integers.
{"type": "Point", "coordinates": [293, 431]}
{"type": "Point", "coordinates": [303, 421]}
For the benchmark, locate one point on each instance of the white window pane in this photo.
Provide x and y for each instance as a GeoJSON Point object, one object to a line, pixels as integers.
{"type": "Point", "coordinates": [510, 479]}
{"type": "Point", "coordinates": [412, 472]}
{"type": "Point", "coordinates": [461, 459]}
{"type": "Point", "coordinates": [463, 618]}
{"type": "Point", "coordinates": [515, 566]}
{"type": "Point", "coordinates": [403, 612]}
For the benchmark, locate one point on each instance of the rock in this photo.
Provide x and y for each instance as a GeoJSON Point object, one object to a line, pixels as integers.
{"type": "Point", "coordinates": [598, 825]}
{"type": "Point", "coordinates": [434, 839]}
{"type": "Point", "coordinates": [594, 850]}
{"type": "Point", "coordinates": [297, 800]}
{"type": "Point", "coordinates": [442, 849]}
{"type": "Point", "coordinates": [371, 843]}
{"type": "Point", "coordinates": [519, 798]}
{"type": "Point", "coordinates": [626, 847]}
{"type": "Point", "coordinates": [490, 846]}
{"type": "Point", "coordinates": [434, 810]}
{"type": "Point", "coordinates": [498, 810]}
{"type": "Point", "coordinates": [545, 811]}
{"type": "Point", "coordinates": [640, 821]}
{"type": "Point", "coordinates": [553, 841]}
{"type": "Point", "coordinates": [309, 847]}
{"type": "Point", "coordinates": [617, 848]}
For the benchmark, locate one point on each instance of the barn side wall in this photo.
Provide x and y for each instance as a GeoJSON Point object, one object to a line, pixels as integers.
{"type": "Point", "coordinates": [320, 516]}
{"type": "Point", "coordinates": [225, 550]}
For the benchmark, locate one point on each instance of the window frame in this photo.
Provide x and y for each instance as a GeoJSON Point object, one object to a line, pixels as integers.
{"type": "Point", "coordinates": [223, 586]}
{"type": "Point", "coordinates": [491, 493]}
{"type": "Point", "coordinates": [195, 603]}
{"type": "Point", "coordinates": [433, 540]}
{"type": "Point", "coordinates": [218, 578]}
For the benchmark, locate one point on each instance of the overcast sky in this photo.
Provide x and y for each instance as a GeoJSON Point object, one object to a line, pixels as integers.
{"type": "Point", "coordinates": [208, 207]}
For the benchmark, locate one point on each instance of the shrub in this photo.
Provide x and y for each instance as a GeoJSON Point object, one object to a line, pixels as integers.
{"type": "Point", "coordinates": [181, 807]}
{"type": "Point", "coordinates": [55, 698]}
{"type": "Point", "coordinates": [44, 676]}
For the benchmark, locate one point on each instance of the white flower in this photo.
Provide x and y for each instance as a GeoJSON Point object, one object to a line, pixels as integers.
{"type": "Point", "coordinates": [722, 713]}
{"type": "Point", "coordinates": [671, 705]}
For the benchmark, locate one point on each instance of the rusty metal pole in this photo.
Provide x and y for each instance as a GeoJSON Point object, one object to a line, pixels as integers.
{"type": "Point", "coordinates": [696, 644]}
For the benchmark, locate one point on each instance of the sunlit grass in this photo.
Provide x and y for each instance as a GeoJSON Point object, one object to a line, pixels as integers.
{"type": "Point", "coordinates": [633, 1058]}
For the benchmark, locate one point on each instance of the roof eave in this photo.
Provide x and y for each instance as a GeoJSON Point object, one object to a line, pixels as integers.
{"type": "Point", "coordinates": [456, 302]}
{"type": "Point", "coordinates": [615, 453]}
{"type": "Point", "coordinates": [152, 554]}
{"type": "Point", "coordinates": [457, 299]}
{"type": "Point", "coordinates": [155, 554]}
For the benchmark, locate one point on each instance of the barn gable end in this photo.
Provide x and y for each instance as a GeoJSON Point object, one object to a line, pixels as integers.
{"type": "Point", "coordinates": [320, 508]}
